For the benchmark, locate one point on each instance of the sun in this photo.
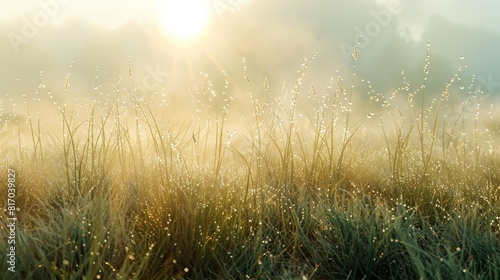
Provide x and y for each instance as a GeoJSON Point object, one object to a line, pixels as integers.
{"type": "Point", "coordinates": [184, 19]}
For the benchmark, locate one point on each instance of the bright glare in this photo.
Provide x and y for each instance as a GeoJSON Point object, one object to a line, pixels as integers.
{"type": "Point", "coordinates": [184, 19]}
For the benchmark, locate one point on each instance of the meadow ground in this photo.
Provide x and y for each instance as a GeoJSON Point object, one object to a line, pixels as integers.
{"type": "Point", "coordinates": [301, 183]}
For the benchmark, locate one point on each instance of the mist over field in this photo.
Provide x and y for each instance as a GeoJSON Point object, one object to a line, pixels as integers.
{"type": "Point", "coordinates": [93, 43]}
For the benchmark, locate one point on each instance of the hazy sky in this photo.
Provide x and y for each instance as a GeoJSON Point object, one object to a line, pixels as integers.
{"type": "Point", "coordinates": [92, 41]}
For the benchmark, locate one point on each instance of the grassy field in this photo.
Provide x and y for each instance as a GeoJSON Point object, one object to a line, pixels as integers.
{"type": "Point", "coordinates": [301, 182]}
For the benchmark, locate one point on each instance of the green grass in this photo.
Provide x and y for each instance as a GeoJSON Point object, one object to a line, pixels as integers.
{"type": "Point", "coordinates": [309, 185]}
